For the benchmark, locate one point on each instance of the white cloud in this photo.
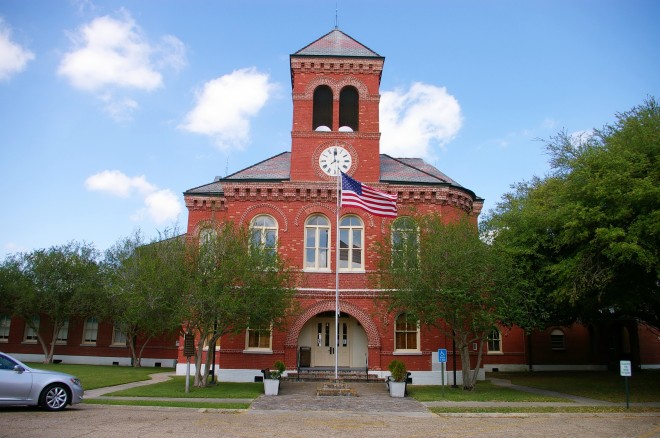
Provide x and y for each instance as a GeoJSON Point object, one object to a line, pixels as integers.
{"type": "Point", "coordinates": [413, 121]}
{"type": "Point", "coordinates": [13, 57]}
{"type": "Point", "coordinates": [113, 53]}
{"type": "Point", "coordinates": [160, 205]}
{"type": "Point", "coordinates": [224, 107]}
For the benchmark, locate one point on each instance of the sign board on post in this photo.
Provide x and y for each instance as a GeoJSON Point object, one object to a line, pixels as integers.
{"type": "Point", "coordinates": [442, 355]}
{"type": "Point", "coordinates": [626, 368]}
{"type": "Point", "coordinates": [626, 371]}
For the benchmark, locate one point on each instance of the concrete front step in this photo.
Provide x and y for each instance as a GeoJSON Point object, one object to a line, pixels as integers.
{"type": "Point", "coordinates": [324, 376]}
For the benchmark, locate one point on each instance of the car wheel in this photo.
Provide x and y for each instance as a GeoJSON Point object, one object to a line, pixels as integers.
{"type": "Point", "coordinates": [54, 398]}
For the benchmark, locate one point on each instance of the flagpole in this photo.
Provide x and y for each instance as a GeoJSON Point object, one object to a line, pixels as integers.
{"type": "Point", "coordinates": [337, 280]}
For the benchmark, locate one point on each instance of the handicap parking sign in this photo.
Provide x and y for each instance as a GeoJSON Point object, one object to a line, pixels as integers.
{"type": "Point", "coordinates": [442, 355]}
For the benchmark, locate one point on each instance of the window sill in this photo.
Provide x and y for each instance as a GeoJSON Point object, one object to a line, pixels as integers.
{"type": "Point", "coordinates": [407, 353]}
{"type": "Point", "coordinates": [29, 342]}
{"type": "Point", "coordinates": [258, 351]}
{"type": "Point", "coordinates": [495, 353]}
{"type": "Point", "coordinates": [353, 271]}
{"type": "Point", "coordinates": [88, 344]}
{"type": "Point", "coordinates": [317, 271]}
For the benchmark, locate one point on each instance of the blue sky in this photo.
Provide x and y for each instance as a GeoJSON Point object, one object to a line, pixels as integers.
{"type": "Point", "coordinates": [109, 110]}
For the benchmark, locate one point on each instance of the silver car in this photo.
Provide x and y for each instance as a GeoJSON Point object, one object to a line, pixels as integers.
{"type": "Point", "coordinates": [22, 385]}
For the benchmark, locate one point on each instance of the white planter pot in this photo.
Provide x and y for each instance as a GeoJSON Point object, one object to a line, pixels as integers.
{"type": "Point", "coordinates": [271, 386]}
{"type": "Point", "coordinates": [398, 389]}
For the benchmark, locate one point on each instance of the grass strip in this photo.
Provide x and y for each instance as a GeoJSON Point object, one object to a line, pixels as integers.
{"type": "Point", "coordinates": [483, 392]}
{"type": "Point", "coordinates": [541, 410]}
{"type": "Point", "coordinates": [176, 387]}
{"type": "Point", "coordinates": [99, 376]}
{"type": "Point", "coordinates": [168, 403]}
{"type": "Point", "coordinates": [599, 385]}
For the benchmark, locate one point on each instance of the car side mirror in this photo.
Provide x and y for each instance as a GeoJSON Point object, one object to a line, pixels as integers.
{"type": "Point", "coordinates": [19, 369]}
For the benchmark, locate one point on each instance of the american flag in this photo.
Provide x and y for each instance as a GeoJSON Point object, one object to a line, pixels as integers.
{"type": "Point", "coordinates": [356, 194]}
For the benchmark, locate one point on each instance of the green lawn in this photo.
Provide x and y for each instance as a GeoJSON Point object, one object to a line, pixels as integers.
{"type": "Point", "coordinates": [176, 387]}
{"type": "Point", "coordinates": [98, 376]}
{"type": "Point", "coordinates": [483, 392]}
{"type": "Point", "coordinates": [600, 385]}
{"type": "Point", "coordinates": [169, 404]}
{"type": "Point", "coordinates": [542, 410]}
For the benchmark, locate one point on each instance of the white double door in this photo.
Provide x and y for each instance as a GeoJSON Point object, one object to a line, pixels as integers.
{"type": "Point", "coordinates": [325, 352]}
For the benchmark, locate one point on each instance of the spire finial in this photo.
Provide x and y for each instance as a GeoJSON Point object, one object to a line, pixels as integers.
{"type": "Point", "coordinates": [337, 14]}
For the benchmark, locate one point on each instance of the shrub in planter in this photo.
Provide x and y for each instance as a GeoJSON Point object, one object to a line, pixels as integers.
{"type": "Point", "coordinates": [272, 378]}
{"type": "Point", "coordinates": [398, 370]}
{"type": "Point", "coordinates": [397, 384]}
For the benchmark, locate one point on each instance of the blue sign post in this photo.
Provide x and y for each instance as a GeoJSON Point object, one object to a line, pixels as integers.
{"type": "Point", "coordinates": [442, 358]}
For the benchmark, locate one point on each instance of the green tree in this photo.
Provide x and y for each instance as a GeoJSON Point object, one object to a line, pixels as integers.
{"type": "Point", "coordinates": [61, 282]}
{"type": "Point", "coordinates": [588, 234]}
{"type": "Point", "coordinates": [449, 278]}
{"type": "Point", "coordinates": [144, 286]}
{"type": "Point", "coordinates": [235, 285]}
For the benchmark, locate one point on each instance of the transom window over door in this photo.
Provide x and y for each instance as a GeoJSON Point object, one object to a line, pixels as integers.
{"type": "Point", "coordinates": [317, 243]}
{"type": "Point", "coordinates": [263, 233]}
{"type": "Point", "coordinates": [406, 334]}
{"type": "Point", "coordinates": [351, 256]}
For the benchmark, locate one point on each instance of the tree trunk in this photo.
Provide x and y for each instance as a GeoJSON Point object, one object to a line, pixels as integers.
{"type": "Point", "coordinates": [144, 344]}
{"type": "Point", "coordinates": [56, 330]}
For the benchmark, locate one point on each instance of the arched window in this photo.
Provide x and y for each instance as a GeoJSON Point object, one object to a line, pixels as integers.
{"type": "Point", "coordinates": [557, 340]}
{"type": "Point", "coordinates": [207, 235]}
{"type": "Point", "coordinates": [351, 256]}
{"type": "Point", "coordinates": [322, 111]}
{"type": "Point", "coordinates": [263, 233]}
{"type": "Point", "coordinates": [317, 243]}
{"type": "Point", "coordinates": [406, 333]}
{"type": "Point", "coordinates": [349, 108]}
{"type": "Point", "coordinates": [405, 241]}
{"type": "Point", "coordinates": [495, 341]}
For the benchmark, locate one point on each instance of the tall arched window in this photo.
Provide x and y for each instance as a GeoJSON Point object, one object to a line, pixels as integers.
{"type": "Point", "coordinates": [557, 340]}
{"type": "Point", "coordinates": [317, 242]}
{"type": "Point", "coordinates": [406, 333]}
{"type": "Point", "coordinates": [405, 241]}
{"type": "Point", "coordinates": [349, 108]}
{"type": "Point", "coordinates": [263, 233]}
{"type": "Point", "coordinates": [322, 111]}
{"type": "Point", "coordinates": [351, 256]}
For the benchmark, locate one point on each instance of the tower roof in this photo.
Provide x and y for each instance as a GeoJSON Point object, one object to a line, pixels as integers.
{"type": "Point", "coordinates": [337, 43]}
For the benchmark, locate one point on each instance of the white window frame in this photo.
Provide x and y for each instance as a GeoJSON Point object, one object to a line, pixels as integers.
{"type": "Point", "coordinates": [557, 335]}
{"type": "Point", "coordinates": [31, 335]}
{"type": "Point", "coordinates": [349, 230]}
{"type": "Point", "coordinates": [119, 338]}
{"type": "Point", "coordinates": [317, 230]}
{"type": "Point", "coordinates": [268, 349]}
{"type": "Point", "coordinates": [63, 333]}
{"type": "Point", "coordinates": [406, 331]}
{"type": "Point", "coordinates": [259, 225]}
{"type": "Point", "coordinates": [494, 336]}
{"type": "Point", "coordinates": [90, 326]}
{"type": "Point", "coordinates": [5, 327]}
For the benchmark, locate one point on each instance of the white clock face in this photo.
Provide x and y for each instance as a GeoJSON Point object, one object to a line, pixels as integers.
{"type": "Point", "coordinates": [335, 159]}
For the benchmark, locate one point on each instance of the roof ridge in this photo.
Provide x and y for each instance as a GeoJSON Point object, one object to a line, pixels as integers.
{"type": "Point", "coordinates": [418, 169]}
{"type": "Point", "coordinates": [256, 164]}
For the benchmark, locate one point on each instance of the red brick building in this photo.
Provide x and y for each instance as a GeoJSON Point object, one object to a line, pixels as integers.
{"type": "Point", "coordinates": [291, 199]}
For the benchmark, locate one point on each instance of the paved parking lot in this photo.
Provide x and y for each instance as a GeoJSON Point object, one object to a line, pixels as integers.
{"type": "Point", "coordinates": [124, 421]}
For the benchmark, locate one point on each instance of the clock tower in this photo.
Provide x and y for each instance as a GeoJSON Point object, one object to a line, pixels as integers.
{"type": "Point", "coordinates": [335, 83]}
